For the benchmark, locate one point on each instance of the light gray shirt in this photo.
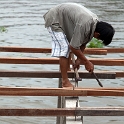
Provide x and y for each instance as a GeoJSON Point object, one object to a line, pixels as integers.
{"type": "Point", "coordinates": [77, 22]}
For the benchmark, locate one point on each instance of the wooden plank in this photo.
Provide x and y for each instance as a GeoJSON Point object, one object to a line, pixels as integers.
{"type": "Point", "coordinates": [85, 111]}
{"type": "Point", "coordinates": [25, 49]}
{"type": "Point", "coordinates": [119, 74]}
{"type": "Point", "coordinates": [55, 74]}
{"type": "Point", "coordinates": [95, 52]}
{"type": "Point", "coordinates": [27, 91]}
{"type": "Point", "coordinates": [95, 61]}
{"type": "Point", "coordinates": [101, 111]}
{"type": "Point", "coordinates": [109, 50]}
{"type": "Point", "coordinates": [35, 112]}
{"type": "Point", "coordinates": [46, 50]}
{"type": "Point", "coordinates": [99, 88]}
{"type": "Point", "coordinates": [107, 61]}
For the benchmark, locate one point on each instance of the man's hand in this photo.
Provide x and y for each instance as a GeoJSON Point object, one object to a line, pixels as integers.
{"type": "Point", "coordinates": [80, 55]}
{"type": "Point", "coordinates": [77, 64]}
{"type": "Point", "coordinates": [89, 66]}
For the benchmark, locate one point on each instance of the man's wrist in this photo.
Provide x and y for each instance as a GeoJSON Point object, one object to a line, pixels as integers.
{"type": "Point", "coordinates": [86, 61]}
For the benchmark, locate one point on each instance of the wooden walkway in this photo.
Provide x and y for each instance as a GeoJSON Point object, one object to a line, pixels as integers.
{"type": "Point", "coordinates": [63, 110]}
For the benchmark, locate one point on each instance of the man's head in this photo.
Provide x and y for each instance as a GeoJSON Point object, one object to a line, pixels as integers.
{"type": "Point", "coordinates": [104, 32]}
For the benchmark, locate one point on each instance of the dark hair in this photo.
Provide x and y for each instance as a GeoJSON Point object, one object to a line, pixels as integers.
{"type": "Point", "coordinates": [106, 32]}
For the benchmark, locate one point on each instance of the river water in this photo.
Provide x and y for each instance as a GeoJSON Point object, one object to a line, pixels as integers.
{"type": "Point", "coordinates": [24, 22]}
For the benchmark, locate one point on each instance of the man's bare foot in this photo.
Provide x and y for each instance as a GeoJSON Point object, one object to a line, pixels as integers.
{"type": "Point", "coordinates": [66, 84]}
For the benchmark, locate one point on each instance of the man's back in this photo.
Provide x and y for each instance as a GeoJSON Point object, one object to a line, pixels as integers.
{"type": "Point", "coordinates": [72, 18]}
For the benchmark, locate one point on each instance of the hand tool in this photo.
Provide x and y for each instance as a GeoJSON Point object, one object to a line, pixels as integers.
{"type": "Point", "coordinates": [77, 78]}
{"type": "Point", "coordinates": [97, 79]}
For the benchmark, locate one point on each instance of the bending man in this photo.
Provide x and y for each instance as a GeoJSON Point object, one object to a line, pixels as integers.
{"type": "Point", "coordinates": [72, 26]}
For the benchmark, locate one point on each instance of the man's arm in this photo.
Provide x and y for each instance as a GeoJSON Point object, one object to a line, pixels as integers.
{"type": "Point", "coordinates": [82, 48]}
{"type": "Point", "coordinates": [79, 53]}
{"type": "Point", "coordinates": [80, 57]}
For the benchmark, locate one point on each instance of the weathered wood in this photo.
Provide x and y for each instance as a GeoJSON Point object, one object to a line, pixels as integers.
{"type": "Point", "coordinates": [85, 111]}
{"type": "Point", "coordinates": [46, 50]}
{"type": "Point", "coordinates": [55, 74]}
{"type": "Point", "coordinates": [95, 61]}
{"type": "Point", "coordinates": [27, 91]}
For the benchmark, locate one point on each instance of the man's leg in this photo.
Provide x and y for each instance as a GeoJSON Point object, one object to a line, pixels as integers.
{"type": "Point", "coordinates": [64, 68]}
{"type": "Point", "coordinates": [60, 49]}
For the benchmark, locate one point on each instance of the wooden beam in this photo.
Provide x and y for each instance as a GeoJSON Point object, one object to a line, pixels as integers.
{"type": "Point", "coordinates": [120, 74]}
{"type": "Point", "coordinates": [95, 52]}
{"type": "Point", "coordinates": [54, 74]}
{"type": "Point", "coordinates": [101, 111]}
{"type": "Point", "coordinates": [85, 111]}
{"type": "Point", "coordinates": [46, 50]}
{"type": "Point", "coordinates": [102, 89]}
{"type": "Point", "coordinates": [109, 50]}
{"type": "Point", "coordinates": [95, 61]}
{"type": "Point", "coordinates": [107, 61]}
{"type": "Point", "coordinates": [25, 49]}
{"type": "Point", "coordinates": [27, 91]}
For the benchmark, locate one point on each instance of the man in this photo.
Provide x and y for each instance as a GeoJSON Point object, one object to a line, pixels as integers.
{"type": "Point", "coordinates": [72, 26]}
